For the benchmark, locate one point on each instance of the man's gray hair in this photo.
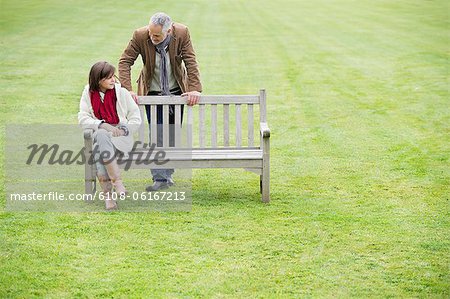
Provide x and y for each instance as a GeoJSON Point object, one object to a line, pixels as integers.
{"type": "Point", "coordinates": [161, 19]}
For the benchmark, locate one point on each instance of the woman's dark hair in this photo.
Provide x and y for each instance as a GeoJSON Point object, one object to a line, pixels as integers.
{"type": "Point", "coordinates": [99, 71]}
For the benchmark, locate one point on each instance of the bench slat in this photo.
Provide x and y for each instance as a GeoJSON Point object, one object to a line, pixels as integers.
{"type": "Point", "coordinates": [250, 124]}
{"type": "Point", "coordinates": [226, 122]}
{"type": "Point", "coordinates": [238, 125]}
{"type": "Point", "coordinates": [177, 125]}
{"type": "Point", "coordinates": [201, 127]}
{"type": "Point", "coordinates": [204, 154]}
{"type": "Point", "coordinates": [153, 135]}
{"type": "Point", "coordinates": [189, 125]}
{"type": "Point", "coordinates": [166, 129]}
{"type": "Point", "coordinates": [214, 125]}
{"type": "Point", "coordinates": [253, 164]}
{"type": "Point", "coordinates": [209, 99]}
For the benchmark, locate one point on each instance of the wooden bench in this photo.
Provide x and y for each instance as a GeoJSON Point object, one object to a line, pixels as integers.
{"type": "Point", "coordinates": [198, 141]}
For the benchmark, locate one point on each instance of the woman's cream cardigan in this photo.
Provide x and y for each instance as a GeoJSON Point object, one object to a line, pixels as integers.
{"type": "Point", "coordinates": [127, 110]}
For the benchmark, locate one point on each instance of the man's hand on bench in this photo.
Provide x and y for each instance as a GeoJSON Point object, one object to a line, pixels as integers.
{"type": "Point", "coordinates": [135, 97]}
{"type": "Point", "coordinates": [193, 97]}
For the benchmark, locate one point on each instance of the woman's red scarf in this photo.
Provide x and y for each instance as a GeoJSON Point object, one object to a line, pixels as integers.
{"type": "Point", "coordinates": [105, 110]}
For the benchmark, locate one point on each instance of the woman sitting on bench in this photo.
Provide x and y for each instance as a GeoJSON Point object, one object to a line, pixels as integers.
{"type": "Point", "coordinates": [111, 112]}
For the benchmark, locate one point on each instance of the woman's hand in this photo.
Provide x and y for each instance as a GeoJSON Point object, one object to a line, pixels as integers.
{"type": "Point", "coordinates": [116, 132]}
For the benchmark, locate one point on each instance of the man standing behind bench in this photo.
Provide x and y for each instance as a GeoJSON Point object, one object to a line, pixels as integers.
{"type": "Point", "coordinates": [170, 67]}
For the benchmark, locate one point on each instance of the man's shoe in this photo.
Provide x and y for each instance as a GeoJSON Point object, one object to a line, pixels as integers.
{"type": "Point", "coordinates": [158, 185]}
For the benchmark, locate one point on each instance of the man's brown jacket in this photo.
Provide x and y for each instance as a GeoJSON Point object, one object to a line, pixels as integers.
{"type": "Point", "coordinates": [181, 55]}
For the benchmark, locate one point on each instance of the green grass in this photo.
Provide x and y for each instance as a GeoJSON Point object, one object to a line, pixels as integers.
{"type": "Point", "coordinates": [358, 108]}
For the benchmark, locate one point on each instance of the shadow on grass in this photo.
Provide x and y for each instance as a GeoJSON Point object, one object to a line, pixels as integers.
{"type": "Point", "coordinates": [223, 187]}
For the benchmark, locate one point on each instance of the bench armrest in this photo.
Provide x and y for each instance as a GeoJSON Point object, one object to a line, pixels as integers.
{"type": "Point", "coordinates": [88, 133]}
{"type": "Point", "coordinates": [264, 129]}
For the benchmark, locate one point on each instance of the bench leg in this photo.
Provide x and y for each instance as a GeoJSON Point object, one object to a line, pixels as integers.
{"type": "Point", "coordinates": [90, 170]}
{"type": "Point", "coordinates": [90, 179]}
{"type": "Point", "coordinates": [260, 183]}
{"type": "Point", "coordinates": [89, 186]}
{"type": "Point", "coordinates": [265, 182]}
{"type": "Point", "coordinates": [265, 174]}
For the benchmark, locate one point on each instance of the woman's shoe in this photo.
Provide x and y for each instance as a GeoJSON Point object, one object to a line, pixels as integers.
{"type": "Point", "coordinates": [110, 203]}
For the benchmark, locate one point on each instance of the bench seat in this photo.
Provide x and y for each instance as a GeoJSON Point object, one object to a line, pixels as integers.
{"type": "Point", "coordinates": [203, 158]}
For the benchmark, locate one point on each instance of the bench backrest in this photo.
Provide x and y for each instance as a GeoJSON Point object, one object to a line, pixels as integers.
{"type": "Point", "coordinates": [221, 129]}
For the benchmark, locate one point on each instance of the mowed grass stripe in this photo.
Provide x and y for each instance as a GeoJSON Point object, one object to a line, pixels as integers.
{"type": "Point", "coordinates": [358, 111]}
